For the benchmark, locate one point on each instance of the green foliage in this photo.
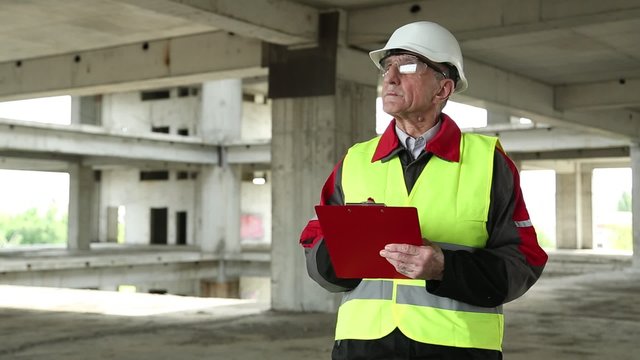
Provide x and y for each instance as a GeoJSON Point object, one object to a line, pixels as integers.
{"type": "Point", "coordinates": [619, 236]}
{"type": "Point", "coordinates": [624, 204]}
{"type": "Point", "coordinates": [544, 240]}
{"type": "Point", "coordinates": [120, 238]}
{"type": "Point", "coordinates": [31, 228]}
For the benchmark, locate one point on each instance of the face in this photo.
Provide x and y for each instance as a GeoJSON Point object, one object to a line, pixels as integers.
{"type": "Point", "coordinates": [409, 86]}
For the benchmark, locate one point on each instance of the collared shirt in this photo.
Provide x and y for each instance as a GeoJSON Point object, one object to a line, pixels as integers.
{"type": "Point", "coordinates": [445, 144]}
{"type": "Point", "coordinates": [416, 145]}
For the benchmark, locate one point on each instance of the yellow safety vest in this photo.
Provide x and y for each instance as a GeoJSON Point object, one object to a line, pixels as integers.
{"type": "Point", "coordinates": [452, 199]}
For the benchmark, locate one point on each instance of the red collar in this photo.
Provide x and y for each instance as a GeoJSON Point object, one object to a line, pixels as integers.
{"type": "Point", "coordinates": [445, 145]}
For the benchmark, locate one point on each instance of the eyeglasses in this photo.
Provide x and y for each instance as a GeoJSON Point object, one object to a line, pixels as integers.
{"type": "Point", "coordinates": [406, 64]}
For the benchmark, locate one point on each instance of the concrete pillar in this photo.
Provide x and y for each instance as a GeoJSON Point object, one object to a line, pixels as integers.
{"type": "Point", "coordinates": [310, 135]}
{"type": "Point", "coordinates": [586, 203]}
{"type": "Point", "coordinates": [112, 224]}
{"type": "Point", "coordinates": [218, 226]}
{"type": "Point", "coordinates": [86, 110]}
{"type": "Point", "coordinates": [219, 222]}
{"type": "Point", "coordinates": [566, 211]}
{"type": "Point", "coordinates": [323, 100]}
{"type": "Point", "coordinates": [82, 212]}
{"type": "Point", "coordinates": [221, 110]}
{"type": "Point", "coordinates": [635, 203]}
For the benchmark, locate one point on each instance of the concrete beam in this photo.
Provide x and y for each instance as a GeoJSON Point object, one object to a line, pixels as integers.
{"type": "Point", "coordinates": [47, 147]}
{"type": "Point", "coordinates": [86, 140]}
{"type": "Point", "coordinates": [104, 267]}
{"type": "Point", "coordinates": [248, 153]}
{"type": "Point", "coordinates": [146, 65]}
{"type": "Point", "coordinates": [353, 65]}
{"type": "Point", "coordinates": [474, 19]}
{"type": "Point", "coordinates": [616, 152]}
{"type": "Point", "coordinates": [604, 95]}
{"type": "Point", "coordinates": [113, 163]}
{"type": "Point", "coordinates": [550, 139]}
{"type": "Point", "coordinates": [280, 22]}
{"type": "Point", "coordinates": [19, 160]}
{"type": "Point", "coordinates": [490, 86]}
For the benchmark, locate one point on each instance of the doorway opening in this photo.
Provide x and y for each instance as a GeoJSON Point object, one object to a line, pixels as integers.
{"type": "Point", "coordinates": [158, 230]}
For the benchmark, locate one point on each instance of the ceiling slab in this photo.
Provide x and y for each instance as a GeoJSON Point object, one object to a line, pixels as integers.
{"type": "Point", "coordinates": [554, 61]}
{"type": "Point", "coordinates": [604, 95]}
{"type": "Point", "coordinates": [176, 61]}
{"type": "Point", "coordinates": [32, 29]}
{"type": "Point", "coordinates": [279, 22]}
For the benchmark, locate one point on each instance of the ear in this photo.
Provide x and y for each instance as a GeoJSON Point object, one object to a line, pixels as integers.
{"type": "Point", "coordinates": [446, 89]}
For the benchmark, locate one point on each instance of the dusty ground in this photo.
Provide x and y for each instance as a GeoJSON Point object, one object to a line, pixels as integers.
{"type": "Point", "coordinates": [579, 317]}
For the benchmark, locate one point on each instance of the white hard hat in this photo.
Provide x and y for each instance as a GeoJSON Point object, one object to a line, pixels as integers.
{"type": "Point", "coordinates": [428, 40]}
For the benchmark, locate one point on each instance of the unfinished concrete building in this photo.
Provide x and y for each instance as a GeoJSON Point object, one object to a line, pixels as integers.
{"type": "Point", "coordinates": [177, 106]}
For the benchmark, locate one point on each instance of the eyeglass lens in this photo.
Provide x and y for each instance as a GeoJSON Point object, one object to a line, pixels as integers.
{"type": "Point", "coordinates": [405, 65]}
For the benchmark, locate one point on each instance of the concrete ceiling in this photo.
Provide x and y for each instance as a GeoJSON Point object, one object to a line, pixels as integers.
{"type": "Point", "coordinates": [569, 63]}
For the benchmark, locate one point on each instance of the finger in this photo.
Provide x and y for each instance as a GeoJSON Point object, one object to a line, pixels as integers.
{"type": "Point", "coordinates": [402, 248]}
{"type": "Point", "coordinates": [395, 256]}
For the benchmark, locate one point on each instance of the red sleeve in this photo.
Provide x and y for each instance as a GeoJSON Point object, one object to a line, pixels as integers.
{"type": "Point", "coordinates": [529, 246]}
{"type": "Point", "coordinates": [331, 195]}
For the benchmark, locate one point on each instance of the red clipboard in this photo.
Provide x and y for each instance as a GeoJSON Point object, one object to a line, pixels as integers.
{"type": "Point", "coordinates": [355, 234]}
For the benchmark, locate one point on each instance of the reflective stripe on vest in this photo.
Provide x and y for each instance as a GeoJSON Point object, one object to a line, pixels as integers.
{"type": "Point", "coordinates": [382, 289]}
{"type": "Point", "coordinates": [453, 203]}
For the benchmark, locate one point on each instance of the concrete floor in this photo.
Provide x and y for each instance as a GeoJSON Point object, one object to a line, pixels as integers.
{"type": "Point", "coordinates": [594, 316]}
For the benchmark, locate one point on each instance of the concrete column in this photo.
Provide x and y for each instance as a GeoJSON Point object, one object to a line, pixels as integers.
{"type": "Point", "coordinates": [86, 110]}
{"type": "Point", "coordinates": [566, 211]}
{"type": "Point", "coordinates": [219, 210]}
{"type": "Point", "coordinates": [221, 110]}
{"type": "Point", "coordinates": [81, 208]}
{"type": "Point", "coordinates": [635, 204]}
{"type": "Point", "coordinates": [310, 135]}
{"type": "Point", "coordinates": [218, 226]}
{"type": "Point", "coordinates": [586, 203]}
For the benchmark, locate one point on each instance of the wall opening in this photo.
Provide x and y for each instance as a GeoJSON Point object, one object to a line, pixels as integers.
{"type": "Point", "coordinates": [539, 192]}
{"type": "Point", "coordinates": [34, 208]}
{"type": "Point", "coordinates": [52, 110]}
{"type": "Point", "coordinates": [155, 95]}
{"type": "Point", "coordinates": [154, 175]}
{"type": "Point", "coordinates": [611, 209]}
{"type": "Point", "coordinates": [158, 226]}
{"type": "Point", "coordinates": [160, 129]}
{"type": "Point", "coordinates": [181, 228]}
{"type": "Point", "coordinates": [122, 212]}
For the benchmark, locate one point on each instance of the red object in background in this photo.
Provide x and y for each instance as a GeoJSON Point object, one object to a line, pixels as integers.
{"type": "Point", "coordinates": [251, 227]}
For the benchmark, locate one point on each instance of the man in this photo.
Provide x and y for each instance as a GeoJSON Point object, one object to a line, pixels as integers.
{"type": "Point", "coordinates": [480, 249]}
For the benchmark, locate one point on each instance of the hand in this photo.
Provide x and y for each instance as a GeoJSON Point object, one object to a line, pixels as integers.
{"type": "Point", "coordinates": [416, 262]}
